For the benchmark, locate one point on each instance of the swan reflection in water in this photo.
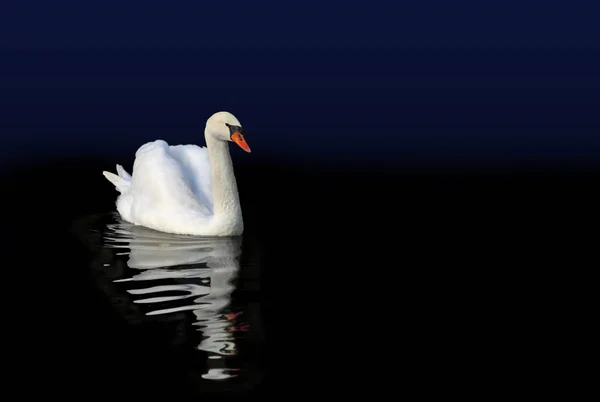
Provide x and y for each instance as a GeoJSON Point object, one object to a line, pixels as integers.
{"type": "Point", "coordinates": [205, 269]}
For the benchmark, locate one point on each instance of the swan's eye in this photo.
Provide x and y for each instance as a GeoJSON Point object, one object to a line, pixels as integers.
{"type": "Point", "coordinates": [234, 129]}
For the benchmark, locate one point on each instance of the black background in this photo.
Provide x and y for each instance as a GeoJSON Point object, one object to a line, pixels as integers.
{"type": "Point", "coordinates": [422, 181]}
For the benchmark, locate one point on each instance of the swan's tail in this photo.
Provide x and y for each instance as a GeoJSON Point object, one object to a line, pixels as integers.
{"type": "Point", "coordinates": [122, 181]}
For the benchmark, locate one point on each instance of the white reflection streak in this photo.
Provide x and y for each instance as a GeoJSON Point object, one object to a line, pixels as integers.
{"type": "Point", "coordinates": [161, 256]}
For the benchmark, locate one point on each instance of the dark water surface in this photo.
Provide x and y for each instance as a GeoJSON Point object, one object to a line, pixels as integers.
{"type": "Point", "coordinates": [408, 280]}
{"type": "Point", "coordinates": [197, 290]}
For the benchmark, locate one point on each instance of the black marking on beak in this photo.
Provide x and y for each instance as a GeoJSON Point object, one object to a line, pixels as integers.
{"type": "Point", "coordinates": [234, 129]}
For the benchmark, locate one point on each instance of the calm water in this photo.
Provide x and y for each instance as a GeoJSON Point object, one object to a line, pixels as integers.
{"type": "Point", "coordinates": [341, 282]}
{"type": "Point", "coordinates": [192, 287]}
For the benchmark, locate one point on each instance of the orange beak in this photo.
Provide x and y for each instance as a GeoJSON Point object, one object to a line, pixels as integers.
{"type": "Point", "coordinates": [238, 138]}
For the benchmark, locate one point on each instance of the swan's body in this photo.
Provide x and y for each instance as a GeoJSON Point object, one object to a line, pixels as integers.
{"type": "Point", "coordinates": [185, 189]}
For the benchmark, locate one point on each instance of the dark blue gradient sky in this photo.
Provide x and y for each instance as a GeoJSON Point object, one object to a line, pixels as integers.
{"type": "Point", "coordinates": [350, 81]}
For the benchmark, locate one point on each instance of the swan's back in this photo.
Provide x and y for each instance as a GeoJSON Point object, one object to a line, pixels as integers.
{"type": "Point", "coordinates": [169, 184]}
{"type": "Point", "coordinates": [195, 165]}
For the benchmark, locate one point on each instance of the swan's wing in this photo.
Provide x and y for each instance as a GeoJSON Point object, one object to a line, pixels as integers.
{"type": "Point", "coordinates": [163, 176]}
{"type": "Point", "coordinates": [196, 166]}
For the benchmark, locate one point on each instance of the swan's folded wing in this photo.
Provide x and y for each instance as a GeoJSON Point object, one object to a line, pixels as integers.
{"type": "Point", "coordinates": [163, 178]}
{"type": "Point", "coordinates": [196, 166]}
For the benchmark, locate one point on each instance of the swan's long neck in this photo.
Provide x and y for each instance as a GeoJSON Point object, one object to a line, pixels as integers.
{"type": "Point", "coordinates": [224, 187]}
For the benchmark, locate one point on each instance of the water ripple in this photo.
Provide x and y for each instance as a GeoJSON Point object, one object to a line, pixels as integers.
{"type": "Point", "coordinates": [168, 274]}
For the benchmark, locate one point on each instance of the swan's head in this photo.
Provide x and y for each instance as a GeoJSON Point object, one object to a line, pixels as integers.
{"type": "Point", "coordinates": [226, 127]}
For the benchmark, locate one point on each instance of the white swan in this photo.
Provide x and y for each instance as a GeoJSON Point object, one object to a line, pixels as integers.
{"type": "Point", "coordinates": [185, 189]}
